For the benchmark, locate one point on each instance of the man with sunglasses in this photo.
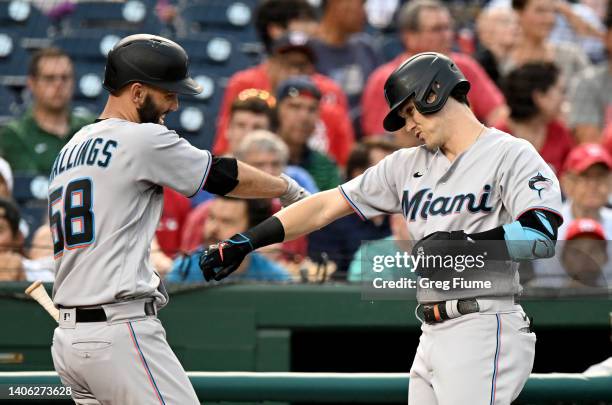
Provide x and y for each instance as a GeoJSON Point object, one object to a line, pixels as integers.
{"type": "Point", "coordinates": [31, 143]}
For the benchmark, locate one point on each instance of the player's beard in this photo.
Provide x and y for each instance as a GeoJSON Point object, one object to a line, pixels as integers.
{"type": "Point", "coordinates": [149, 112]}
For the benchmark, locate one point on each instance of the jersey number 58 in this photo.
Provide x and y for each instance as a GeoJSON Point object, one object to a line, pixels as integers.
{"type": "Point", "coordinates": [71, 217]}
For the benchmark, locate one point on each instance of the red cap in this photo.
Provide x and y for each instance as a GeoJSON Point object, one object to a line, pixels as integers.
{"type": "Point", "coordinates": [586, 155]}
{"type": "Point", "coordinates": [585, 226]}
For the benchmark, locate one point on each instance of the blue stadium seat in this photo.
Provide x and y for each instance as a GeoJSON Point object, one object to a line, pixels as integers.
{"type": "Point", "coordinates": [13, 58]}
{"type": "Point", "coordinates": [194, 122]}
{"type": "Point", "coordinates": [88, 82]}
{"type": "Point", "coordinates": [132, 15]}
{"type": "Point", "coordinates": [226, 17]}
{"type": "Point", "coordinates": [8, 102]}
{"type": "Point", "coordinates": [212, 92]}
{"type": "Point", "coordinates": [89, 46]}
{"type": "Point", "coordinates": [215, 54]}
{"type": "Point", "coordinates": [21, 17]}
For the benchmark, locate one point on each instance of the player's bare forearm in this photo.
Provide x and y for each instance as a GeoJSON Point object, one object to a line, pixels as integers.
{"type": "Point", "coordinates": [313, 213]}
{"type": "Point", "coordinates": [254, 183]}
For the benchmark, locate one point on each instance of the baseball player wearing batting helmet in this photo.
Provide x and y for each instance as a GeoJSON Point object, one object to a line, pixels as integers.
{"type": "Point", "coordinates": [467, 185]}
{"type": "Point", "coordinates": [105, 201]}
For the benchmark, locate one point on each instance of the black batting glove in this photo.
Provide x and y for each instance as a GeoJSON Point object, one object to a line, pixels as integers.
{"type": "Point", "coordinates": [222, 259]}
{"type": "Point", "coordinates": [437, 244]}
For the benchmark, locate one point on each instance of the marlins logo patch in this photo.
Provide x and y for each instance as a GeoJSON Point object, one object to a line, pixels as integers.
{"type": "Point", "coordinates": [539, 183]}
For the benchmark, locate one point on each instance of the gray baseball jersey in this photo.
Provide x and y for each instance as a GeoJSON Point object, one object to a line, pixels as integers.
{"type": "Point", "coordinates": [105, 201]}
{"type": "Point", "coordinates": [490, 184]}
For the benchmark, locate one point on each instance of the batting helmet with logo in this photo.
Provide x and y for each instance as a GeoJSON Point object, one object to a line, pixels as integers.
{"type": "Point", "coordinates": [152, 60]}
{"type": "Point", "coordinates": [429, 78]}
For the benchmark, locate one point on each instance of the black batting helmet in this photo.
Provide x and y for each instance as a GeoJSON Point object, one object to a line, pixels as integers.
{"type": "Point", "coordinates": [152, 60]}
{"type": "Point", "coordinates": [419, 77]}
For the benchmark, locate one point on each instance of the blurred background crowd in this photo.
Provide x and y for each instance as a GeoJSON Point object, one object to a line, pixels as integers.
{"type": "Point", "coordinates": [296, 86]}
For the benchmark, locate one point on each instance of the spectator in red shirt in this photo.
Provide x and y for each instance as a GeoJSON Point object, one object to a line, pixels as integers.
{"type": "Point", "coordinates": [170, 227]}
{"type": "Point", "coordinates": [427, 26]}
{"type": "Point", "coordinates": [535, 93]}
{"type": "Point", "coordinates": [290, 54]}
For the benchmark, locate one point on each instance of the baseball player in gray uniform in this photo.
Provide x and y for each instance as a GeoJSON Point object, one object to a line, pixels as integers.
{"type": "Point", "coordinates": [468, 185]}
{"type": "Point", "coordinates": [105, 202]}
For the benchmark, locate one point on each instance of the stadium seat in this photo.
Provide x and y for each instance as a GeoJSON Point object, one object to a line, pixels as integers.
{"type": "Point", "coordinates": [132, 15]}
{"type": "Point", "coordinates": [88, 82]}
{"type": "Point", "coordinates": [13, 59]}
{"type": "Point", "coordinates": [222, 17]}
{"type": "Point", "coordinates": [212, 88]}
{"type": "Point", "coordinates": [215, 54]}
{"type": "Point", "coordinates": [8, 101]}
{"type": "Point", "coordinates": [89, 46]}
{"type": "Point", "coordinates": [23, 19]}
{"type": "Point", "coordinates": [194, 122]}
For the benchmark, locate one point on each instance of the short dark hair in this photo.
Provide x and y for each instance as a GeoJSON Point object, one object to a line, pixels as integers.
{"type": "Point", "coordinates": [280, 12]}
{"type": "Point", "coordinates": [257, 209]}
{"type": "Point", "coordinates": [44, 53]}
{"type": "Point", "coordinates": [608, 21]}
{"type": "Point", "coordinates": [10, 211]}
{"type": "Point", "coordinates": [519, 85]}
{"type": "Point", "coordinates": [359, 158]}
{"type": "Point", "coordinates": [409, 14]}
{"type": "Point", "coordinates": [254, 105]}
{"type": "Point", "coordinates": [519, 5]}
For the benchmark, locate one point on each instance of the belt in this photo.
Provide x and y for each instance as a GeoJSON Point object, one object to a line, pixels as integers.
{"type": "Point", "coordinates": [441, 311]}
{"type": "Point", "coordinates": [98, 314]}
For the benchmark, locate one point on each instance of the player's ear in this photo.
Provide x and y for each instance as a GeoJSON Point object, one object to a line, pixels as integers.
{"type": "Point", "coordinates": [137, 93]}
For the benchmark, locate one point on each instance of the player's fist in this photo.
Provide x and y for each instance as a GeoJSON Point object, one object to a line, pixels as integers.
{"type": "Point", "coordinates": [222, 259]}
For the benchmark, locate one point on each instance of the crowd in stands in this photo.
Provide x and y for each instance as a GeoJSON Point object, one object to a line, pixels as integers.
{"type": "Point", "coordinates": [312, 105]}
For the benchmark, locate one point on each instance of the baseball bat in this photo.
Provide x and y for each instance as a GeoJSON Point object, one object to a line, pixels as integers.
{"type": "Point", "coordinates": [37, 291]}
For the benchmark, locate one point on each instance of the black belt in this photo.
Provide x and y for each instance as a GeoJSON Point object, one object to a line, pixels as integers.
{"type": "Point", "coordinates": [436, 312]}
{"type": "Point", "coordinates": [98, 314]}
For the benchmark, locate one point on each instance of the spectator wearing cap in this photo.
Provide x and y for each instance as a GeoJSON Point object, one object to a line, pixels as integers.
{"type": "Point", "coordinates": [585, 256]}
{"type": "Point", "coordinates": [344, 52]}
{"type": "Point", "coordinates": [31, 143]}
{"type": "Point", "coordinates": [427, 26]}
{"type": "Point", "coordinates": [591, 96]}
{"type": "Point", "coordinates": [535, 93]}
{"type": "Point", "coordinates": [280, 25]}
{"type": "Point", "coordinates": [297, 111]}
{"type": "Point", "coordinates": [586, 183]}
{"type": "Point", "coordinates": [6, 180]}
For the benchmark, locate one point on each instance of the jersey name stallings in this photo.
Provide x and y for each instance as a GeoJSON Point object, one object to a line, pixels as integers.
{"type": "Point", "coordinates": [84, 153]}
{"type": "Point", "coordinates": [443, 205]}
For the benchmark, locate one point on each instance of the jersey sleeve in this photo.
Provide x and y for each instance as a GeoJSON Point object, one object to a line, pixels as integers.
{"type": "Point", "coordinates": [375, 191]}
{"type": "Point", "coordinates": [165, 159]}
{"type": "Point", "coordinates": [527, 182]}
